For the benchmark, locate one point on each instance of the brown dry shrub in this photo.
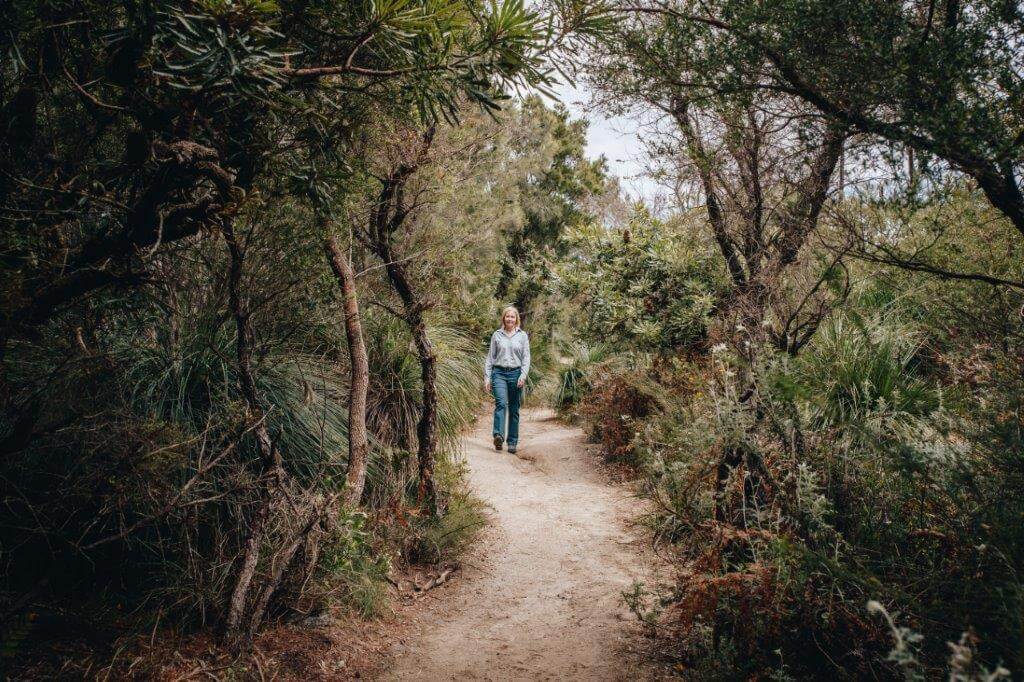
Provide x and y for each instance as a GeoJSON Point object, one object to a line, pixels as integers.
{"type": "Point", "coordinates": [744, 591]}
{"type": "Point", "coordinates": [613, 411]}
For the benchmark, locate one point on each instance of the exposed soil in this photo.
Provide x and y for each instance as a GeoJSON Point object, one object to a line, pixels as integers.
{"type": "Point", "coordinates": [540, 598]}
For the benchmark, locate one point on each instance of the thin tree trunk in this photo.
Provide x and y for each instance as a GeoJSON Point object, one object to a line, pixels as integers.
{"type": "Point", "coordinates": [280, 565]}
{"type": "Point", "coordinates": [390, 213]}
{"type": "Point", "coordinates": [426, 429]}
{"type": "Point", "coordinates": [269, 456]}
{"type": "Point", "coordinates": [355, 479]}
{"type": "Point", "coordinates": [240, 595]}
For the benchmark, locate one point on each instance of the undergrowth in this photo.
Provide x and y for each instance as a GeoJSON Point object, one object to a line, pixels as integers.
{"type": "Point", "coordinates": [861, 476]}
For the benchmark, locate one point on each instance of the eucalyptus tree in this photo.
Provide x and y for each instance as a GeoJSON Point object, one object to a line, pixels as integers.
{"type": "Point", "coordinates": [761, 164]}
{"type": "Point", "coordinates": [555, 180]}
{"type": "Point", "coordinates": [940, 78]}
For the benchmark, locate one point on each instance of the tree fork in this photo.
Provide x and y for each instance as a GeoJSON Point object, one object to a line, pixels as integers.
{"type": "Point", "coordinates": [426, 428]}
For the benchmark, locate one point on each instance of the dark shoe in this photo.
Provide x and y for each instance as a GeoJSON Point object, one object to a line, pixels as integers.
{"type": "Point", "coordinates": [511, 448]}
{"type": "Point", "coordinates": [498, 440]}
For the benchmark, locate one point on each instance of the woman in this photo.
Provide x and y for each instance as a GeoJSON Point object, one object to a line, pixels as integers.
{"type": "Point", "coordinates": [505, 370]}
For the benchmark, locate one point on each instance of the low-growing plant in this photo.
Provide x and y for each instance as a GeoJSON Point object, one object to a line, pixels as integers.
{"type": "Point", "coordinates": [355, 565]}
{"type": "Point", "coordinates": [866, 486]}
{"type": "Point", "coordinates": [580, 367]}
{"type": "Point", "coordinates": [616, 406]}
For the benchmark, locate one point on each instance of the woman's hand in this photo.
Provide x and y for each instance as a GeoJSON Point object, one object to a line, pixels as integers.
{"type": "Point", "coordinates": [487, 385]}
{"type": "Point", "coordinates": [521, 382]}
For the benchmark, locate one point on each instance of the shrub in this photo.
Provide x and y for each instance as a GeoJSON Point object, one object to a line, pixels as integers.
{"type": "Point", "coordinates": [855, 483]}
{"type": "Point", "coordinates": [575, 374]}
{"type": "Point", "coordinates": [151, 411]}
{"type": "Point", "coordinates": [641, 289]}
{"type": "Point", "coordinates": [615, 407]}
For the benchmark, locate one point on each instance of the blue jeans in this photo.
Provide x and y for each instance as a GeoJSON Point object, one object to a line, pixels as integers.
{"type": "Point", "coordinates": [505, 390]}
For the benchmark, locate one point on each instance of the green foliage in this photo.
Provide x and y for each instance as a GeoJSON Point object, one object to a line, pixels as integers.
{"type": "Point", "coordinates": [448, 538]}
{"type": "Point", "coordinates": [620, 396]}
{"type": "Point", "coordinates": [861, 367]}
{"type": "Point", "coordinates": [396, 388]}
{"type": "Point", "coordinates": [156, 398]}
{"type": "Point", "coordinates": [876, 492]}
{"type": "Point", "coordinates": [640, 288]}
{"type": "Point", "coordinates": [216, 53]}
{"type": "Point", "coordinates": [352, 559]}
{"type": "Point", "coordinates": [557, 188]}
{"type": "Point", "coordinates": [877, 463]}
{"type": "Point", "coordinates": [576, 376]}
{"type": "Point", "coordinates": [940, 79]}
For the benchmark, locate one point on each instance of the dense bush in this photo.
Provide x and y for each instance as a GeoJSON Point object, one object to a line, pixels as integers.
{"type": "Point", "coordinates": [147, 460]}
{"type": "Point", "coordinates": [872, 489]}
{"type": "Point", "coordinates": [880, 464]}
{"type": "Point", "coordinates": [573, 380]}
{"type": "Point", "coordinates": [641, 288]}
{"type": "Point", "coordinates": [619, 401]}
{"type": "Point", "coordinates": [175, 373]}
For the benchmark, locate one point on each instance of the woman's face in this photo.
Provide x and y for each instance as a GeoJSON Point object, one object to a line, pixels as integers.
{"type": "Point", "coordinates": [510, 320]}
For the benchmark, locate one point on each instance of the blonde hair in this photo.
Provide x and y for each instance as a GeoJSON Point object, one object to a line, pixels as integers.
{"type": "Point", "coordinates": [513, 309]}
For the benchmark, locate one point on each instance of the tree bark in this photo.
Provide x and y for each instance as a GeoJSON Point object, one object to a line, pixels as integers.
{"type": "Point", "coordinates": [414, 306]}
{"type": "Point", "coordinates": [702, 160]}
{"type": "Point", "coordinates": [271, 469]}
{"type": "Point", "coordinates": [389, 214]}
{"type": "Point", "coordinates": [355, 478]}
{"type": "Point", "coordinates": [269, 455]}
{"type": "Point", "coordinates": [281, 563]}
{"type": "Point", "coordinates": [240, 594]}
{"type": "Point", "coordinates": [426, 429]}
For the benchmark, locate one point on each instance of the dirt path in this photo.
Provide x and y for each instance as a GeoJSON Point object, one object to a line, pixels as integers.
{"type": "Point", "coordinates": [541, 597]}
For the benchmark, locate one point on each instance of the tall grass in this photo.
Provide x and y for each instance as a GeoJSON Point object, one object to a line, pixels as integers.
{"type": "Point", "coordinates": [575, 375]}
{"type": "Point", "coordinates": [393, 407]}
{"type": "Point", "coordinates": [859, 366]}
{"type": "Point", "coordinates": [140, 417]}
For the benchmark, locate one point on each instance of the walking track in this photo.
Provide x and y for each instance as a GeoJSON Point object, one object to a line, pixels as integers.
{"type": "Point", "coordinates": [540, 598]}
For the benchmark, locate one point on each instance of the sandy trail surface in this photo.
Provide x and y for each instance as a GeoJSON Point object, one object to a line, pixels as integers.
{"type": "Point", "coordinates": [540, 597]}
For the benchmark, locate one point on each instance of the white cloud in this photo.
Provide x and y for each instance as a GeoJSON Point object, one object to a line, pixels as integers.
{"type": "Point", "coordinates": [616, 137]}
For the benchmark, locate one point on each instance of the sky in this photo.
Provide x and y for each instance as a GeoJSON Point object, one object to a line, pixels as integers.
{"type": "Point", "coordinates": [616, 137]}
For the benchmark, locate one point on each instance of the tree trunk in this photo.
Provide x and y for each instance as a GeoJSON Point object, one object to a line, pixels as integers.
{"type": "Point", "coordinates": [269, 455]}
{"type": "Point", "coordinates": [240, 594]}
{"type": "Point", "coordinates": [355, 479]}
{"type": "Point", "coordinates": [280, 564]}
{"type": "Point", "coordinates": [389, 214]}
{"type": "Point", "coordinates": [426, 429]}
{"type": "Point", "coordinates": [270, 459]}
